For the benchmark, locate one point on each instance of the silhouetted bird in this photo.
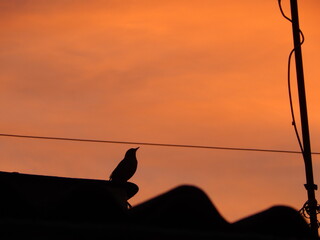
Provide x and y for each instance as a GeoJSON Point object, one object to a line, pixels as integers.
{"type": "Point", "coordinates": [126, 168]}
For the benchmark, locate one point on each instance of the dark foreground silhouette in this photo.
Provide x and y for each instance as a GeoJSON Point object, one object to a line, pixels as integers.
{"type": "Point", "coordinates": [46, 207]}
{"type": "Point", "coordinates": [189, 207]}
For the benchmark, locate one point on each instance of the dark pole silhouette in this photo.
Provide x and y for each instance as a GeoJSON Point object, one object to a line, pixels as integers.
{"type": "Point", "coordinates": [310, 186]}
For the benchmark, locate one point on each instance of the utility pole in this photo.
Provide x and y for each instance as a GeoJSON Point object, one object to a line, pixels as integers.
{"type": "Point", "coordinates": [310, 186]}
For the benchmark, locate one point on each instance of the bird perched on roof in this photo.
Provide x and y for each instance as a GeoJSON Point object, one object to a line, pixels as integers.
{"type": "Point", "coordinates": [126, 168]}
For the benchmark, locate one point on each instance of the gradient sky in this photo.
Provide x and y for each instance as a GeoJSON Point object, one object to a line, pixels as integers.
{"type": "Point", "coordinates": [202, 72]}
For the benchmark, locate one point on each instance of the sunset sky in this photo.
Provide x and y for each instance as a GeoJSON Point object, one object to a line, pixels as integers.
{"type": "Point", "coordinates": [200, 72]}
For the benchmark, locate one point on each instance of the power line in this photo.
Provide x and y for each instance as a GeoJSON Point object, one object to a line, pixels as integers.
{"type": "Point", "coordinates": [152, 144]}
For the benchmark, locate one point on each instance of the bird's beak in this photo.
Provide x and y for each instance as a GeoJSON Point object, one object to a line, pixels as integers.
{"type": "Point", "coordinates": [137, 148]}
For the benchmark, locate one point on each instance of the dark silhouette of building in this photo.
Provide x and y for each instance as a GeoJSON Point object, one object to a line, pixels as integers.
{"type": "Point", "coordinates": [47, 207]}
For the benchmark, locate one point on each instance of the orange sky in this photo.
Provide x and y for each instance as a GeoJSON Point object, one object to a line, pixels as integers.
{"type": "Point", "coordinates": [182, 72]}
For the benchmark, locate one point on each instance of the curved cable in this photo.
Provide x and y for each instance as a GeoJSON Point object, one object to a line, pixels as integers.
{"type": "Point", "coordinates": [291, 103]}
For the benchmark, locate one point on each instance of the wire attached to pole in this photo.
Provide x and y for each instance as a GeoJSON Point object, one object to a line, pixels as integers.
{"type": "Point", "coordinates": [311, 207]}
{"type": "Point", "coordinates": [289, 80]}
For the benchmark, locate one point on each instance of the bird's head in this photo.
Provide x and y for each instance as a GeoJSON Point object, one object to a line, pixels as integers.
{"type": "Point", "coordinates": [131, 152]}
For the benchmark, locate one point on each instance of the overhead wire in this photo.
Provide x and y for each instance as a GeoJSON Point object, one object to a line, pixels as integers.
{"type": "Point", "coordinates": [152, 144]}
